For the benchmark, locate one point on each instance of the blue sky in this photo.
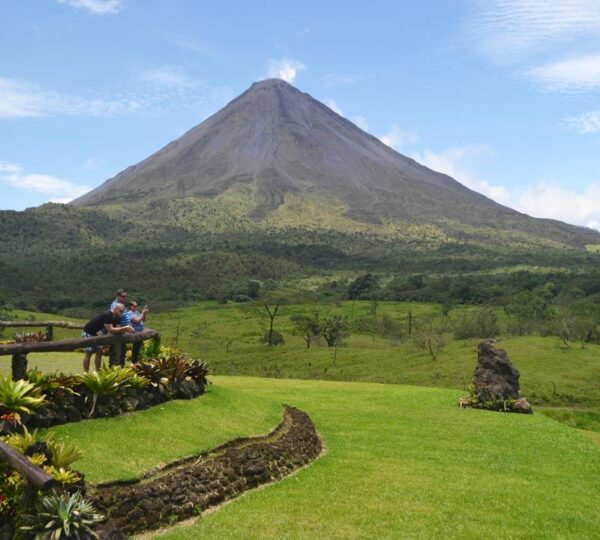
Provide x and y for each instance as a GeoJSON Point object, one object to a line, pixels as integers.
{"type": "Point", "coordinates": [501, 94]}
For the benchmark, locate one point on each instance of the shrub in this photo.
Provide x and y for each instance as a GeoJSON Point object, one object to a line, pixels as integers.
{"type": "Point", "coordinates": [59, 517]}
{"type": "Point", "coordinates": [276, 338]}
{"type": "Point", "coordinates": [479, 323]}
{"type": "Point", "coordinates": [18, 397]}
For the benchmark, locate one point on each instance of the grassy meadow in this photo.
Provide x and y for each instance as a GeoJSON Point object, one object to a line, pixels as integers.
{"type": "Point", "coordinates": [400, 461]}
{"type": "Point", "coordinates": [560, 381]}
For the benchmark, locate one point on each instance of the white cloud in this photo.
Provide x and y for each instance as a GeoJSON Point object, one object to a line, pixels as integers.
{"type": "Point", "coordinates": [456, 162]}
{"type": "Point", "coordinates": [506, 29]}
{"type": "Point", "coordinates": [332, 80]}
{"type": "Point", "coordinates": [58, 189]}
{"type": "Point", "coordinates": [286, 69]}
{"type": "Point", "coordinates": [331, 103]}
{"type": "Point", "coordinates": [357, 119]}
{"type": "Point", "coordinates": [93, 164]}
{"type": "Point", "coordinates": [20, 99]}
{"type": "Point", "coordinates": [585, 123]}
{"type": "Point", "coordinates": [548, 200]}
{"type": "Point", "coordinates": [542, 200]}
{"type": "Point", "coordinates": [151, 92]}
{"type": "Point", "coordinates": [360, 121]}
{"type": "Point", "coordinates": [397, 138]}
{"type": "Point", "coordinates": [96, 7]}
{"type": "Point", "coordinates": [168, 76]}
{"type": "Point", "coordinates": [569, 75]}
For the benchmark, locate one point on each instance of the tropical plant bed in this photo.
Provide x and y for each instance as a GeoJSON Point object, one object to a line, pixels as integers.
{"type": "Point", "coordinates": [187, 487]}
{"type": "Point", "coordinates": [45, 400]}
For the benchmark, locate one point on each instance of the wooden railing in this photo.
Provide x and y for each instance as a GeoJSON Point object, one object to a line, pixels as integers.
{"type": "Point", "coordinates": [36, 476]}
{"type": "Point", "coordinates": [19, 351]}
{"type": "Point", "coordinates": [48, 325]}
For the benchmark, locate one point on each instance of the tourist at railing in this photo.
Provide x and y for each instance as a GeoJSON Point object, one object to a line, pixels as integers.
{"type": "Point", "coordinates": [137, 321]}
{"type": "Point", "coordinates": [125, 320]}
{"type": "Point", "coordinates": [107, 322]}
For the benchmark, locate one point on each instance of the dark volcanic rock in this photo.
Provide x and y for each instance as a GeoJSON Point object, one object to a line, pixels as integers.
{"type": "Point", "coordinates": [185, 488]}
{"type": "Point", "coordinates": [495, 377]}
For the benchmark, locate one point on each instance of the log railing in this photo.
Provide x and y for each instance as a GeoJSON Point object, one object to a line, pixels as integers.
{"type": "Point", "coordinates": [19, 351]}
{"type": "Point", "coordinates": [48, 325]}
{"type": "Point", "coordinates": [37, 477]}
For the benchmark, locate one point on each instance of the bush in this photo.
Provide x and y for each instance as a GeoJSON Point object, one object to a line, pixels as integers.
{"type": "Point", "coordinates": [479, 323]}
{"type": "Point", "coordinates": [276, 338]}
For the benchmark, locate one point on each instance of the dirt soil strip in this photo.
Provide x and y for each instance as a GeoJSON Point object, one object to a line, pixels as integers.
{"type": "Point", "coordinates": [185, 488]}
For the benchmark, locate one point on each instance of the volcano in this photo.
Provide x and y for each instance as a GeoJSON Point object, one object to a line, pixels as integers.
{"type": "Point", "coordinates": [276, 143]}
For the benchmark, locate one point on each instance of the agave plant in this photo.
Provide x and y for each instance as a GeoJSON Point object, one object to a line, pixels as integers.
{"type": "Point", "coordinates": [106, 382]}
{"type": "Point", "coordinates": [63, 517]}
{"type": "Point", "coordinates": [17, 397]}
{"type": "Point", "coordinates": [52, 384]}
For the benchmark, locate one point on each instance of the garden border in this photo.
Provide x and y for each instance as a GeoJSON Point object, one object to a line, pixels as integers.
{"type": "Point", "coordinates": [186, 487]}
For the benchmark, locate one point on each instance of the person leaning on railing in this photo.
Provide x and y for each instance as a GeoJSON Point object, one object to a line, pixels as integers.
{"type": "Point", "coordinates": [105, 323]}
{"type": "Point", "coordinates": [137, 321]}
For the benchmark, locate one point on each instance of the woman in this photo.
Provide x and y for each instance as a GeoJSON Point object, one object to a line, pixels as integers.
{"type": "Point", "coordinates": [137, 321]}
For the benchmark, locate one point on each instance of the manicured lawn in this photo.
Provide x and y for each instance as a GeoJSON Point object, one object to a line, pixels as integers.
{"type": "Point", "coordinates": [401, 462]}
{"type": "Point", "coordinates": [126, 446]}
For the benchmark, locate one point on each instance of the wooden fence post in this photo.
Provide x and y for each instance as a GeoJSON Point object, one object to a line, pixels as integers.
{"type": "Point", "coordinates": [49, 333]}
{"type": "Point", "coordinates": [19, 366]}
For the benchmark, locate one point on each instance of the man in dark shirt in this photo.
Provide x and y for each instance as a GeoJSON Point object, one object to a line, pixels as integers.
{"type": "Point", "coordinates": [105, 323]}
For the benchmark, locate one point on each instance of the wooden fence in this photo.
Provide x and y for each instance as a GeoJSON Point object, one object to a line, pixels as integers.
{"type": "Point", "coordinates": [48, 325]}
{"type": "Point", "coordinates": [19, 351]}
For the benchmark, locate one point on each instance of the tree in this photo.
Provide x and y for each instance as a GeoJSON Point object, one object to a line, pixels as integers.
{"type": "Point", "coordinates": [527, 309]}
{"type": "Point", "coordinates": [334, 328]}
{"type": "Point", "coordinates": [363, 287]}
{"type": "Point", "coordinates": [272, 313]}
{"type": "Point", "coordinates": [306, 325]}
{"type": "Point", "coordinates": [430, 337]}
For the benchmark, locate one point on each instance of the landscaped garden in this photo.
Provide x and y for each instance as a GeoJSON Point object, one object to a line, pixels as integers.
{"type": "Point", "coordinates": [398, 461]}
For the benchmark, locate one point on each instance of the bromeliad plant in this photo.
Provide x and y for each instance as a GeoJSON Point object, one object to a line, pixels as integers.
{"type": "Point", "coordinates": [106, 382]}
{"type": "Point", "coordinates": [43, 450]}
{"type": "Point", "coordinates": [63, 517]}
{"type": "Point", "coordinates": [19, 397]}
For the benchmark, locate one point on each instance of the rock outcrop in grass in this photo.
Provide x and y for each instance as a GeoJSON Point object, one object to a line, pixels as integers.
{"type": "Point", "coordinates": [495, 382]}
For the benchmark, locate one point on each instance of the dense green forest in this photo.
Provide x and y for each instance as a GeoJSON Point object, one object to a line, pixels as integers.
{"type": "Point", "coordinates": [59, 258]}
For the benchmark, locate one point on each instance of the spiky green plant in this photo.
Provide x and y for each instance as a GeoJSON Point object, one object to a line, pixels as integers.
{"type": "Point", "coordinates": [106, 382]}
{"type": "Point", "coordinates": [52, 384]}
{"type": "Point", "coordinates": [19, 397]}
{"type": "Point", "coordinates": [63, 454]}
{"type": "Point", "coordinates": [62, 517]}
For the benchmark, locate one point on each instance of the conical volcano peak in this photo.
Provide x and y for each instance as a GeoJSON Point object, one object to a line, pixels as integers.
{"type": "Point", "coordinates": [276, 140]}
{"type": "Point", "coordinates": [280, 149]}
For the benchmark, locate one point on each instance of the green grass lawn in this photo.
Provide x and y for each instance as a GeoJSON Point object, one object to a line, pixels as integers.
{"type": "Point", "coordinates": [401, 462]}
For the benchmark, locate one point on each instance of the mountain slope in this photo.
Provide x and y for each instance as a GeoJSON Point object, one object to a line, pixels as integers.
{"type": "Point", "coordinates": [274, 143]}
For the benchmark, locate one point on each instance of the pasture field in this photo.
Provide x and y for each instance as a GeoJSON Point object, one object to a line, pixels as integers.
{"type": "Point", "coordinates": [400, 461]}
{"type": "Point", "coordinates": [559, 381]}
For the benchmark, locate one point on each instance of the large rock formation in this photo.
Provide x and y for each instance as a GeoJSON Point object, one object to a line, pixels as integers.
{"type": "Point", "coordinates": [496, 382]}
{"type": "Point", "coordinates": [495, 377]}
